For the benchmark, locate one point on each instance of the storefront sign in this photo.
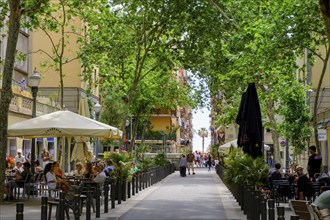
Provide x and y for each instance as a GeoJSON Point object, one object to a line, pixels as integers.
{"type": "Point", "coordinates": [322, 134]}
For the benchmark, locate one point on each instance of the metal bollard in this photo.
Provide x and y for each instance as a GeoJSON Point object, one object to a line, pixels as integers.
{"type": "Point", "coordinates": [244, 199]}
{"type": "Point", "coordinates": [280, 213]}
{"type": "Point", "coordinates": [123, 193]}
{"type": "Point", "coordinates": [97, 201]}
{"type": "Point", "coordinates": [248, 204]}
{"type": "Point", "coordinates": [242, 196]}
{"type": "Point", "coordinates": [252, 206]}
{"type": "Point", "coordinates": [137, 183]}
{"type": "Point", "coordinates": [257, 204]}
{"type": "Point", "coordinates": [76, 204]}
{"type": "Point", "coordinates": [294, 217]}
{"type": "Point", "coordinates": [140, 182]}
{"type": "Point", "coordinates": [263, 207]}
{"type": "Point", "coordinates": [61, 206]}
{"type": "Point", "coordinates": [113, 194]}
{"type": "Point", "coordinates": [128, 189]}
{"type": "Point", "coordinates": [106, 196]}
{"type": "Point", "coordinates": [88, 203]}
{"type": "Point", "coordinates": [44, 206]}
{"type": "Point", "coordinates": [133, 185]}
{"type": "Point", "coordinates": [119, 189]}
{"type": "Point", "coordinates": [19, 211]}
{"type": "Point", "coordinates": [271, 209]}
{"type": "Point", "coordinates": [143, 180]}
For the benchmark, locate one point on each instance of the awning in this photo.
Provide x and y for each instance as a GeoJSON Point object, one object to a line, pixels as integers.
{"type": "Point", "coordinates": [228, 145]}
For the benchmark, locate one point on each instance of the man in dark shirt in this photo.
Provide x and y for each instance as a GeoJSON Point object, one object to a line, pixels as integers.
{"type": "Point", "coordinates": [276, 174]}
{"type": "Point", "coordinates": [314, 163]}
{"type": "Point", "coordinates": [18, 182]}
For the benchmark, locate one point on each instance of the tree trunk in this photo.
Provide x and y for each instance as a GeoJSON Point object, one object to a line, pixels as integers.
{"type": "Point", "coordinates": [6, 92]}
{"type": "Point", "coordinates": [275, 136]}
{"type": "Point", "coordinates": [203, 144]}
{"type": "Point", "coordinates": [317, 94]}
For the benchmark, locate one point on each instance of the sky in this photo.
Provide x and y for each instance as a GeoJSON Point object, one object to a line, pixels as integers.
{"type": "Point", "coordinates": [201, 120]}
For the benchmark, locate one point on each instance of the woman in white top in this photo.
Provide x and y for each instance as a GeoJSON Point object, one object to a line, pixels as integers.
{"type": "Point", "coordinates": [52, 181]}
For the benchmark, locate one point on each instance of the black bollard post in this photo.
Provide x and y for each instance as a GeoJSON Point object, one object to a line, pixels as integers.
{"type": "Point", "coordinates": [271, 209]}
{"type": "Point", "coordinates": [88, 203]}
{"type": "Point", "coordinates": [140, 182]}
{"type": "Point", "coordinates": [76, 210]}
{"type": "Point", "coordinates": [252, 206]}
{"type": "Point", "coordinates": [128, 189]}
{"type": "Point", "coordinates": [61, 206]}
{"type": "Point", "coordinates": [19, 211]}
{"type": "Point", "coordinates": [257, 204]}
{"type": "Point", "coordinates": [137, 183]}
{"type": "Point", "coordinates": [76, 204]}
{"type": "Point", "coordinates": [97, 201]}
{"type": "Point", "coordinates": [242, 196]}
{"type": "Point", "coordinates": [124, 187]}
{"type": "Point", "coordinates": [113, 194]}
{"type": "Point", "coordinates": [143, 180]}
{"type": "Point", "coordinates": [294, 217]}
{"type": "Point", "coordinates": [245, 202]}
{"type": "Point", "coordinates": [106, 196]}
{"type": "Point", "coordinates": [247, 209]}
{"type": "Point", "coordinates": [263, 207]}
{"type": "Point", "coordinates": [44, 206]}
{"type": "Point", "coordinates": [133, 185]}
{"type": "Point", "coordinates": [280, 213]}
{"type": "Point", "coordinates": [119, 189]}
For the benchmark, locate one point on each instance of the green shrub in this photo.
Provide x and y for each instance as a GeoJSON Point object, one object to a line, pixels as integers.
{"type": "Point", "coordinates": [241, 168]}
{"type": "Point", "coordinates": [160, 160]}
{"type": "Point", "coordinates": [122, 163]}
{"type": "Point", "coordinates": [145, 164]}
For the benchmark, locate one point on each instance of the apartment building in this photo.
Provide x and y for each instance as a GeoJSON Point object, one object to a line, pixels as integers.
{"type": "Point", "coordinates": [20, 108]}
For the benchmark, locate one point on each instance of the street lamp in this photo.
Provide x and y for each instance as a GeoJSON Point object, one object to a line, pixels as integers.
{"type": "Point", "coordinates": [97, 110]}
{"type": "Point", "coordinates": [34, 81]}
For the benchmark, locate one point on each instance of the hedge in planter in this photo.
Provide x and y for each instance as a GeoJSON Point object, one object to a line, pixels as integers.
{"type": "Point", "coordinates": [241, 168]}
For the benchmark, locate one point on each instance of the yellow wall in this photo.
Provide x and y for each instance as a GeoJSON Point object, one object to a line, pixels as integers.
{"type": "Point", "coordinates": [160, 123]}
{"type": "Point", "coordinates": [40, 41]}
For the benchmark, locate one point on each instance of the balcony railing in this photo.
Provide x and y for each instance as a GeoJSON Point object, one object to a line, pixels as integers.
{"type": "Point", "coordinates": [157, 135]}
{"type": "Point", "coordinates": [23, 105]}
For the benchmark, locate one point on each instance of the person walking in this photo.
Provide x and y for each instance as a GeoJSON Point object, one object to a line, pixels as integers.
{"type": "Point", "coordinates": [197, 159]}
{"type": "Point", "coordinates": [314, 163]}
{"type": "Point", "coordinates": [183, 166]}
{"type": "Point", "coordinates": [209, 162]}
{"type": "Point", "coordinates": [190, 160]}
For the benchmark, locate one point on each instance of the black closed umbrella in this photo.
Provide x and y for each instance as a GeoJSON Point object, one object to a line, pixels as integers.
{"type": "Point", "coordinates": [250, 124]}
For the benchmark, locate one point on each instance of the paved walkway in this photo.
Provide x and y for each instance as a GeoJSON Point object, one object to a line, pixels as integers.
{"type": "Point", "coordinates": [200, 196]}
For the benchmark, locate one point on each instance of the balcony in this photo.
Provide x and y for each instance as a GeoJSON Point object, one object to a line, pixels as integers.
{"type": "Point", "coordinates": [22, 102]}
{"type": "Point", "coordinates": [156, 136]}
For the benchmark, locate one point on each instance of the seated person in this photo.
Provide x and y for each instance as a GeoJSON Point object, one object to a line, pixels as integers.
{"type": "Point", "coordinates": [303, 184]}
{"type": "Point", "coordinates": [54, 182]}
{"type": "Point", "coordinates": [57, 169]}
{"type": "Point", "coordinates": [88, 172]}
{"type": "Point", "coordinates": [19, 182]}
{"type": "Point", "coordinates": [18, 167]}
{"type": "Point", "coordinates": [79, 169]}
{"type": "Point", "coordinates": [134, 168]}
{"type": "Point", "coordinates": [37, 167]}
{"type": "Point", "coordinates": [100, 174]}
{"type": "Point", "coordinates": [108, 170]}
{"type": "Point", "coordinates": [323, 201]}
